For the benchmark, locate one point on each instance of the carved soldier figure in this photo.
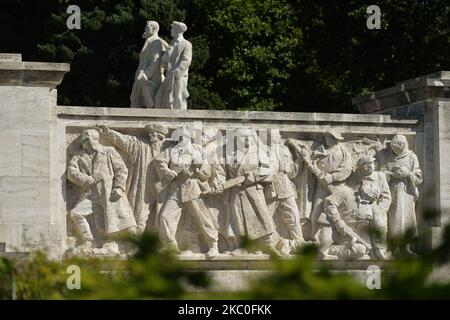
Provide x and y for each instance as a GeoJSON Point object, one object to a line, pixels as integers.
{"type": "Point", "coordinates": [403, 173]}
{"type": "Point", "coordinates": [213, 196]}
{"type": "Point", "coordinates": [281, 194]}
{"type": "Point", "coordinates": [358, 214]}
{"type": "Point", "coordinates": [101, 175]}
{"type": "Point", "coordinates": [249, 215]}
{"type": "Point", "coordinates": [143, 183]}
{"type": "Point", "coordinates": [176, 60]}
{"type": "Point", "coordinates": [187, 175]}
{"type": "Point", "coordinates": [149, 74]}
{"type": "Point", "coordinates": [211, 151]}
{"type": "Point", "coordinates": [330, 165]}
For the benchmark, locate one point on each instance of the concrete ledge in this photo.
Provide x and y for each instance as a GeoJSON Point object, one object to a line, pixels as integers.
{"type": "Point", "coordinates": [73, 112]}
{"type": "Point", "coordinates": [264, 263]}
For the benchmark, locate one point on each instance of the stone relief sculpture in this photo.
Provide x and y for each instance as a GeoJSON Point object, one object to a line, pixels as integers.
{"type": "Point", "coordinates": [149, 74]}
{"type": "Point", "coordinates": [249, 214]}
{"type": "Point", "coordinates": [176, 60]}
{"type": "Point", "coordinates": [281, 194]}
{"type": "Point", "coordinates": [402, 170]}
{"type": "Point", "coordinates": [202, 201]}
{"type": "Point", "coordinates": [358, 215]}
{"type": "Point", "coordinates": [101, 176]}
{"type": "Point", "coordinates": [212, 146]}
{"type": "Point", "coordinates": [143, 184]}
{"type": "Point", "coordinates": [330, 165]}
{"type": "Point", "coordinates": [188, 175]}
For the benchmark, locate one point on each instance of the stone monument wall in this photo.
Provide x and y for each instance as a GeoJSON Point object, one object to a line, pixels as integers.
{"type": "Point", "coordinates": [29, 190]}
{"type": "Point", "coordinates": [427, 98]}
{"type": "Point", "coordinates": [42, 154]}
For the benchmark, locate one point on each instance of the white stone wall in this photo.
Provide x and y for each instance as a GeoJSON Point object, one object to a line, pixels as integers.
{"type": "Point", "coordinates": [27, 118]}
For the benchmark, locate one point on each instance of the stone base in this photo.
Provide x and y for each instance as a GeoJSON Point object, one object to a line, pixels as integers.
{"type": "Point", "coordinates": [16, 256]}
{"type": "Point", "coordinates": [232, 274]}
{"type": "Point", "coordinates": [239, 280]}
{"type": "Point", "coordinates": [262, 262]}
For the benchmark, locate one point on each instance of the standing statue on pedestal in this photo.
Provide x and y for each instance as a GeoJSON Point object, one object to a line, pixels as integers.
{"type": "Point", "coordinates": [176, 61]}
{"type": "Point", "coordinates": [149, 74]}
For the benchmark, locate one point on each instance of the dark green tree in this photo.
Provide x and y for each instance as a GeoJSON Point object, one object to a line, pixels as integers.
{"type": "Point", "coordinates": [283, 55]}
{"type": "Point", "coordinates": [340, 58]}
{"type": "Point", "coordinates": [253, 45]}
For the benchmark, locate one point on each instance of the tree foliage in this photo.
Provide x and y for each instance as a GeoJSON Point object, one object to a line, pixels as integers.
{"type": "Point", "coordinates": [283, 55]}
{"type": "Point", "coordinates": [151, 274]}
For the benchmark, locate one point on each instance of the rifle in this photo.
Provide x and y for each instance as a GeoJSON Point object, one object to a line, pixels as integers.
{"type": "Point", "coordinates": [351, 233]}
{"type": "Point", "coordinates": [309, 164]}
{"type": "Point", "coordinates": [233, 182]}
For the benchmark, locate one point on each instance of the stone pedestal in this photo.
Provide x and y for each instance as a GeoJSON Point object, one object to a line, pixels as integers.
{"type": "Point", "coordinates": [29, 219]}
{"type": "Point", "coordinates": [426, 98]}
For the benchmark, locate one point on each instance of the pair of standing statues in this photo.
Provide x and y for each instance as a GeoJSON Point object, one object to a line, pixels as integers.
{"type": "Point", "coordinates": [328, 193]}
{"type": "Point", "coordinates": [162, 75]}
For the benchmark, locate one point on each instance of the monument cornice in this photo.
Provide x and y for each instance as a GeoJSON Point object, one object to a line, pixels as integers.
{"type": "Point", "coordinates": [432, 86]}
{"type": "Point", "coordinates": [71, 112]}
{"type": "Point", "coordinates": [13, 71]}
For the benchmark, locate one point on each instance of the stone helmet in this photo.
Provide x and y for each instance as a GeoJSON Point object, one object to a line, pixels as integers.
{"type": "Point", "coordinates": [89, 134]}
{"type": "Point", "coordinates": [364, 160]}
{"type": "Point", "coordinates": [156, 127]}
{"type": "Point", "coordinates": [335, 134]}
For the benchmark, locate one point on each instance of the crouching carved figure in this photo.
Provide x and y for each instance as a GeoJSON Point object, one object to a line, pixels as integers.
{"type": "Point", "coordinates": [358, 215]}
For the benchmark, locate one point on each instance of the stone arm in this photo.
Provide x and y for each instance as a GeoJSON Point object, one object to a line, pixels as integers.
{"type": "Point", "coordinates": [120, 170]}
{"type": "Point", "coordinates": [263, 173]}
{"type": "Point", "coordinates": [416, 173]}
{"type": "Point", "coordinates": [384, 200]}
{"type": "Point", "coordinates": [294, 170]}
{"type": "Point", "coordinates": [331, 205]}
{"type": "Point", "coordinates": [74, 173]}
{"type": "Point", "coordinates": [165, 174]}
{"type": "Point", "coordinates": [219, 176]}
{"type": "Point", "coordinates": [155, 50]}
{"type": "Point", "coordinates": [143, 59]}
{"type": "Point", "coordinates": [125, 143]}
{"type": "Point", "coordinates": [185, 59]}
{"type": "Point", "coordinates": [292, 167]}
{"type": "Point", "coordinates": [165, 59]}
